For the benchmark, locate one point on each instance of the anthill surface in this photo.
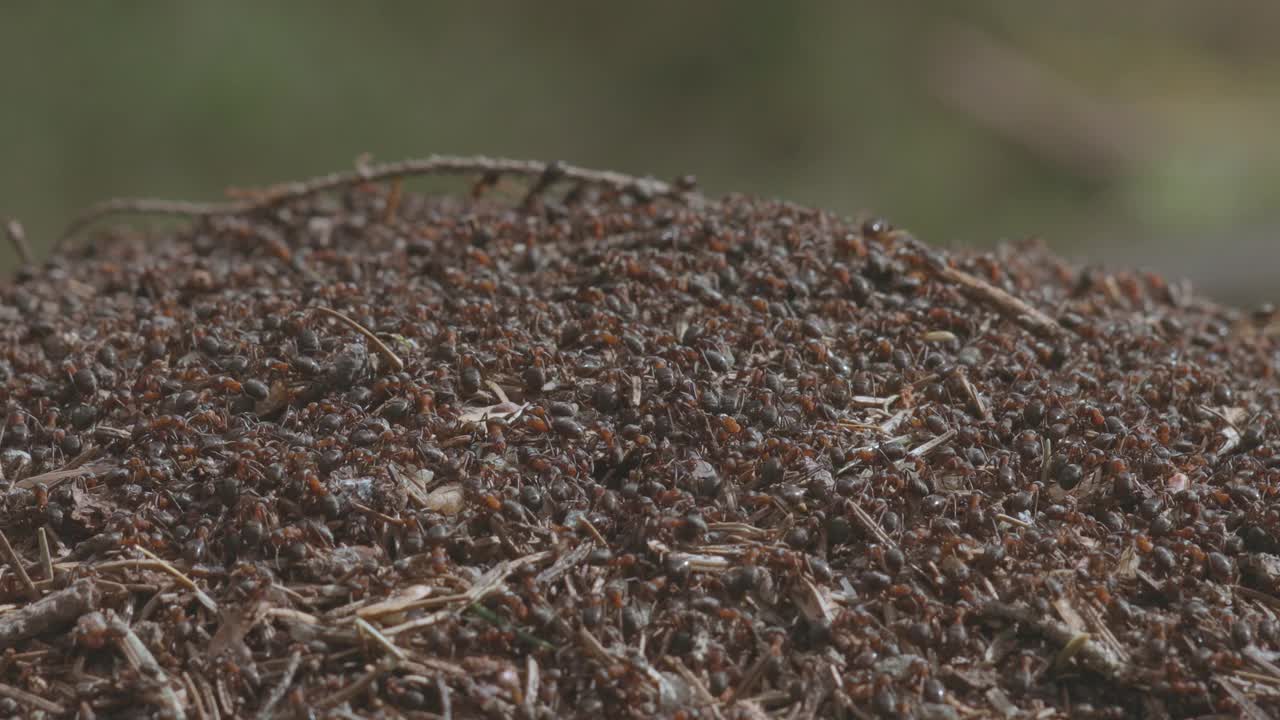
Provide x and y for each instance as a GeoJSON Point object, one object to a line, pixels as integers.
{"type": "Point", "coordinates": [731, 459]}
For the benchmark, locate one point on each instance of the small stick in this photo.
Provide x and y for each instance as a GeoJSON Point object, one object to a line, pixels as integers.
{"type": "Point", "coordinates": [750, 677]}
{"type": "Point", "coordinates": [928, 447]}
{"type": "Point", "coordinates": [869, 524]}
{"type": "Point", "coordinates": [355, 688]}
{"type": "Point", "coordinates": [594, 532]}
{"type": "Point", "coordinates": [975, 398]}
{"type": "Point", "coordinates": [1046, 448]}
{"type": "Point", "coordinates": [53, 478]}
{"type": "Point", "coordinates": [593, 647]}
{"type": "Point", "coordinates": [446, 704]}
{"type": "Point", "coordinates": [222, 696]}
{"type": "Point", "coordinates": [16, 563]}
{"type": "Point", "coordinates": [378, 345]}
{"type": "Point", "coordinates": [381, 639]}
{"type": "Point", "coordinates": [550, 175]}
{"type": "Point", "coordinates": [888, 426]}
{"type": "Point", "coordinates": [563, 564]}
{"type": "Point", "coordinates": [1011, 520]}
{"type": "Point", "coordinates": [140, 657]}
{"type": "Point", "coordinates": [127, 564]}
{"type": "Point", "coordinates": [46, 558]}
{"type": "Point", "coordinates": [18, 236]}
{"type": "Point", "coordinates": [186, 582]}
{"type": "Point", "coordinates": [35, 701]}
{"type": "Point", "coordinates": [1248, 708]}
{"type": "Point", "coordinates": [380, 516]}
{"type": "Point", "coordinates": [194, 694]}
{"type": "Point", "coordinates": [532, 678]}
{"type": "Point", "coordinates": [876, 402]}
{"type": "Point", "coordinates": [483, 587]}
{"type": "Point", "coordinates": [207, 699]}
{"type": "Point", "coordinates": [49, 613]}
{"type": "Point", "coordinates": [278, 692]}
{"type": "Point", "coordinates": [494, 619]}
{"type": "Point", "coordinates": [1260, 659]}
{"type": "Point", "coordinates": [393, 201]}
{"type": "Point", "coordinates": [416, 623]}
{"type": "Point", "coordinates": [709, 701]}
{"type": "Point", "coordinates": [1092, 655]}
{"type": "Point", "coordinates": [432, 165]}
{"type": "Point", "coordinates": [1030, 317]}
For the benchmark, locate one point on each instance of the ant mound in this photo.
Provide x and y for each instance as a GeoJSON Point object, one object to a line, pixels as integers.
{"type": "Point", "coordinates": [606, 445]}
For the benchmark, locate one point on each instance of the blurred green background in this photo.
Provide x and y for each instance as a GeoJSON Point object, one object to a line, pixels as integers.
{"type": "Point", "coordinates": [1137, 133]}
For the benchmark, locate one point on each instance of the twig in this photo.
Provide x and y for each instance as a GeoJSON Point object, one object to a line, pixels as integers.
{"type": "Point", "coordinates": [928, 447]}
{"type": "Point", "coordinates": [550, 175]}
{"type": "Point", "coordinates": [896, 419]}
{"type": "Point", "coordinates": [125, 564]}
{"type": "Point", "coordinates": [378, 345]}
{"type": "Point", "coordinates": [432, 165]}
{"type": "Point", "coordinates": [1046, 448]}
{"type": "Point", "coordinates": [390, 606]}
{"type": "Point", "coordinates": [1012, 520]}
{"type": "Point", "coordinates": [700, 562]}
{"type": "Point", "coordinates": [53, 478]}
{"type": "Point", "coordinates": [532, 678]}
{"type": "Point", "coordinates": [869, 524]}
{"type": "Point", "coordinates": [870, 401]}
{"type": "Point", "coordinates": [393, 201]}
{"type": "Point", "coordinates": [1257, 657]}
{"type": "Point", "coordinates": [1248, 708]}
{"type": "Point", "coordinates": [397, 522]}
{"type": "Point", "coordinates": [18, 236]}
{"type": "Point", "coordinates": [1271, 680]}
{"type": "Point", "coordinates": [446, 704]}
{"type": "Point", "coordinates": [136, 652]}
{"type": "Point", "coordinates": [494, 619]}
{"type": "Point", "coordinates": [51, 612]}
{"type": "Point", "coordinates": [278, 692]}
{"type": "Point", "coordinates": [194, 694]}
{"type": "Point", "coordinates": [750, 677]}
{"type": "Point", "coordinates": [15, 562]}
{"type": "Point", "coordinates": [46, 557]}
{"type": "Point", "coordinates": [1092, 655]}
{"type": "Point", "coordinates": [888, 426]}
{"type": "Point", "coordinates": [978, 406]}
{"type": "Point", "coordinates": [584, 522]}
{"type": "Point", "coordinates": [482, 588]}
{"type": "Point", "coordinates": [284, 613]}
{"type": "Point", "coordinates": [563, 564]}
{"type": "Point", "coordinates": [355, 688]}
{"type": "Point", "coordinates": [207, 699]}
{"type": "Point", "coordinates": [593, 647]}
{"type": "Point", "coordinates": [186, 582]}
{"type": "Point", "coordinates": [379, 638]}
{"type": "Point", "coordinates": [709, 701]}
{"type": "Point", "coordinates": [1031, 318]}
{"type": "Point", "coordinates": [35, 701]}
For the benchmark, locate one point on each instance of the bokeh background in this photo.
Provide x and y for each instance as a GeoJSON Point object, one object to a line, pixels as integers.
{"type": "Point", "coordinates": [1140, 133]}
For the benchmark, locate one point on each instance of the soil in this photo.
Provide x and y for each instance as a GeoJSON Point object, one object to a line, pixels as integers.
{"type": "Point", "coordinates": [344, 450]}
